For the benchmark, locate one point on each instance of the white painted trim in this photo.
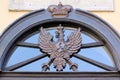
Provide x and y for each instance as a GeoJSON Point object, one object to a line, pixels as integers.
{"type": "Point", "coordinates": [91, 5]}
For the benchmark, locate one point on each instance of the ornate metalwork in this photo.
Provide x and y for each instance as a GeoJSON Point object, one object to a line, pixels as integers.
{"type": "Point", "coordinates": [59, 11]}
{"type": "Point", "coordinates": [61, 50]}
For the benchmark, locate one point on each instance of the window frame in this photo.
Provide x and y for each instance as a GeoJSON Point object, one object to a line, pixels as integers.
{"type": "Point", "coordinates": [90, 22]}
{"type": "Point", "coordinates": [21, 43]}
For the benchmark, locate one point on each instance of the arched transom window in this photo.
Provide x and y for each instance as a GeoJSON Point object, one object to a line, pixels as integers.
{"type": "Point", "coordinates": [32, 52]}
{"type": "Point", "coordinates": [48, 44]}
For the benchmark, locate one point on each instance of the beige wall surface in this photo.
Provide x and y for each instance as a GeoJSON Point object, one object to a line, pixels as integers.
{"type": "Point", "coordinates": [7, 17]}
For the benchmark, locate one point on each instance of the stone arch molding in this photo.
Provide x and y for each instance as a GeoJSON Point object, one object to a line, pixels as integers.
{"type": "Point", "coordinates": [88, 20]}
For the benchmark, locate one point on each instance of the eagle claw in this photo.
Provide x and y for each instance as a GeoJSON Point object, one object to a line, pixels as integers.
{"type": "Point", "coordinates": [45, 67]}
{"type": "Point", "coordinates": [74, 67]}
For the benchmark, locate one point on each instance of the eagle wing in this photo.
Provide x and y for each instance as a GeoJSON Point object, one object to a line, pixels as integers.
{"type": "Point", "coordinates": [45, 42]}
{"type": "Point", "coordinates": [74, 41]}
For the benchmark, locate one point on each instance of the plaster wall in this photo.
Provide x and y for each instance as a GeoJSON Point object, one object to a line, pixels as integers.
{"type": "Point", "coordinates": [7, 17]}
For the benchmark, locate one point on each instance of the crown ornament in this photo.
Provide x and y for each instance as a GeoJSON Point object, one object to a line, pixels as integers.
{"type": "Point", "coordinates": [59, 11]}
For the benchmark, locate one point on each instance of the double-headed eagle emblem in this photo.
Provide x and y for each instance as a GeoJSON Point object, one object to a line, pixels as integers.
{"type": "Point", "coordinates": [60, 51]}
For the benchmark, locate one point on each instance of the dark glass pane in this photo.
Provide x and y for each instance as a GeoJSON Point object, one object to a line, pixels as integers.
{"type": "Point", "coordinates": [86, 67]}
{"type": "Point", "coordinates": [22, 53]}
{"type": "Point", "coordinates": [85, 37]}
{"type": "Point", "coordinates": [37, 66]}
{"type": "Point", "coordinates": [88, 38]}
{"type": "Point", "coordinates": [99, 54]}
{"type": "Point", "coordinates": [33, 39]}
{"type": "Point", "coordinates": [34, 66]}
{"type": "Point", "coordinates": [82, 66]}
